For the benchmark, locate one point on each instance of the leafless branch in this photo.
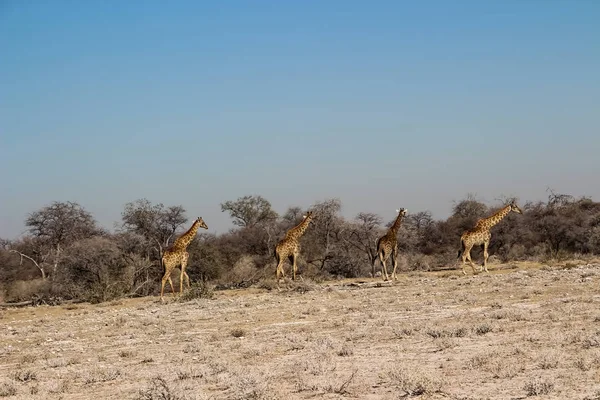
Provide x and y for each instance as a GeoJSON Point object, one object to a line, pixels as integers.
{"type": "Point", "coordinates": [30, 259]}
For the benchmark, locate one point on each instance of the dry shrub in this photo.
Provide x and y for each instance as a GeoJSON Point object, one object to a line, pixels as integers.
{"type": "Point", "coordinates": [28, 290]}
{"type": "Point", "coordinates": [517, 252]}
{"type": "Point", "coordinates": [59, 386]}
{"type": "Point", "coordinates": [243, 269]}
{"type": "Point", "coordinates": [503, 368]}
{"type": "Point", "coordinates": [238, 332]}
{"type": "Point", "coordinates": [101, 375]}
{"type": "Point", "coordinates": [592, 341]}
{"type": "Point", "coordinates": [197, 290]}
{"type": "Point", "coordinates": [455, 331]}
{"type": "Point", "coordinates": [7, 389]}
{"type": "Point", "coordinates": [499, 365]}
{"type": "Point", "coordinates": [341, 384]}
{"type": "Point", "coordinates": [267, 284]}
{"type": "Point", "coordinates": [415, 381]}
{"type": "Point", "coordinates": [549, 360]}
{"type": "Point", "coordinates": [538, 386]}
{"type": "Point", "coordinates": [158, 389]}
{"type": "Point", "coordinates": [250, 386]}
{"type": "Point", "coordinates": [418, 262]}
{"type": "Point", "coordinates": [24, 376]}
{"type": "Point", "coordinates": [301, 285]}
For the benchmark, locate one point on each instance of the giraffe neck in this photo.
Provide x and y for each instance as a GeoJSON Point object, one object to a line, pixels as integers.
{"type": "Point", "coordinates": [297, 231]}
{"type": "Point", "coordinates": [497, 217]}
{"type": "Point", "coordinates": [184, 240]}
{"type": "Point", "coordinates": [394, 228]}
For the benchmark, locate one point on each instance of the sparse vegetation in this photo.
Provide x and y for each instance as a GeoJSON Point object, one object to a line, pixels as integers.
{"type": "Point", "coordinates": [48, 266]}
{"type": "Point", "coordinates": [424, 336]}
{"type": "Point", "coordinates": [158, 389]}
{"type": "Point", "coordinates": [238, 333]}
{"type": "Point", "coordinates": [415, 381]}
{"type": "Point", "coordinates": [7, 389]}
{"type": "Point", "coordinates": [197, 290]}
{"type": "Point", "coordinates": [538, 387]}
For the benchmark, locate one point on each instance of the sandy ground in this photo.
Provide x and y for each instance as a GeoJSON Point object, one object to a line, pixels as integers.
{"type": "Point", "coordinates": [521, 331]}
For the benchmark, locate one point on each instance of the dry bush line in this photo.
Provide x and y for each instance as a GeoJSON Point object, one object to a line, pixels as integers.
{"type": "Point", "coordinates": [20, 304]}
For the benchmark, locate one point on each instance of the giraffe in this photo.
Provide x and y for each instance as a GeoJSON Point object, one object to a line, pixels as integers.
{"type": "Point", "coordinates": [177, 255]}
{"type": "Point", "coordinates": [289, 246]}
{"type": "Point", "coordinates": [388, 245]}
{"type": "Point", "coordinates": [480, 235]}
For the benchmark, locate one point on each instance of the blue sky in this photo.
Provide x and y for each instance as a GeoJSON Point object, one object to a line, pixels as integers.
{"type": "Point", "coordinates": [383, 104]}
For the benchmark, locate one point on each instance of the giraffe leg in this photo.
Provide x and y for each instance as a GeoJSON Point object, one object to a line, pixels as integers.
{"type": "Point", "coordinates": [184, 261]}
{"type": "Point", "coordinates": [166, 277]}
{"type": "Point", "coordinates": [394, 263]}
{"type": "Point", "coordinates": [471, 263]}
{"type": "Point", "coordinates": [485, 256]}
{"type": "Point", "coordinates": [384, 273]}
{"type": "Point", "coordinates": [467, 256]}
{"type": "Point", "coordinates": [162, 288]}
{"type": "Point", "coordinates": [279, 270]}
{"type": "Point", "coordinates": [181, 281]}
{"type": "Point", "coordinates": [294, 266]}
{"type": "Point", "coordinates": [172, 288]}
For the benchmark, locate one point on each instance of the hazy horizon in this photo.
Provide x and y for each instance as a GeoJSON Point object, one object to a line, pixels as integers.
{"type": "Point", "coordinates": [383, 105]}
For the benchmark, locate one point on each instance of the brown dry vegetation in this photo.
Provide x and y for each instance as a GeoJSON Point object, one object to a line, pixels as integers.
{"type": "Point", "coordinates": [523, 331]}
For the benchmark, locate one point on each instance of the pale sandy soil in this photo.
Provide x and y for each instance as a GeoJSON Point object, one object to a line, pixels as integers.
{"type": "Point", "coordinates": [512, 334]}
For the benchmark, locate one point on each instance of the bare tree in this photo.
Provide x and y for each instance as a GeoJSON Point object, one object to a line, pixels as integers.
{"type": "Point", "coordinates": [293, 214]}
{"type": "Point", "coordinates": [249, 211]}
{"type": "Point", "coordinates": [469, 208]}
{"type": "Point", "coordinates": [558, 199]}
{"type": "Point", "coordinates": [96, 270]}
{"type": "Point", "coordinates": [54, 227]}
{"type": "Point", "coordinates": [327, 226]}
{"type": "Point", "coordinates": [364, 231]}
{"type": "Point", "coordinates": [420, 220]}
{"type": "Point", "coordinates": [156, 223]}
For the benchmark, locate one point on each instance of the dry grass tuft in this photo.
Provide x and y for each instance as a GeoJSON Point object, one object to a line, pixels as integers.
{"type": "Point", "coordinates": [538, 387]}
{"type": "Point", "coordinates": [197, 290]}
{"type": "Point", "coordinates": [101, 375]}
{"type": "Point", "coordinates": [24, 376]}
{"type": "Point", "coordinates": [237, 333]}
{"type": "Point", "coordinates": [549, 360]}
{"type": "Point", "coordinates": [415, 381]}
{"type": "Point", "coordinates": [7, 389]}
{"type": "Point", "coordinates": [158, 389]}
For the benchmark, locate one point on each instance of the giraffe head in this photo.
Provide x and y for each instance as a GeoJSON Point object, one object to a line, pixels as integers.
{"type": "Point", "coordinates": [308, 216]}
{"type": "Point", "coordinates": [201, 223]}
{"type": "Point", "coordinates": [514, 207]}
{"type": "Point", "coordinates": [402, 211]}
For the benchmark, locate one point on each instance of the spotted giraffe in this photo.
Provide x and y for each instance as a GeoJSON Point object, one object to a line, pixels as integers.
{"type": "Point", "coordinates": [388, 245]}
{"type": "Point", "coordinates": [289, 246]}
{"type": "Point", "coordinates": [480, 235]}
{"type": "Point", "coordinates": [177, 255]}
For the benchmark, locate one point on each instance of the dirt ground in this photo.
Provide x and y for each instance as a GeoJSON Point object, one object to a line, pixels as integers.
{"type": "Point", "coordinates": [521, 331]}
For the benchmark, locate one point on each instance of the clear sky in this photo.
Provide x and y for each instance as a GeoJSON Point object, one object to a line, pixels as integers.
{"type": "Point", "coordinates": [384, 104]}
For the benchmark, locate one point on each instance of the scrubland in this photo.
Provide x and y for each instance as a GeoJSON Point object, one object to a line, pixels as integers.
{"type": "Point", "coordinates": [525, 330]}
